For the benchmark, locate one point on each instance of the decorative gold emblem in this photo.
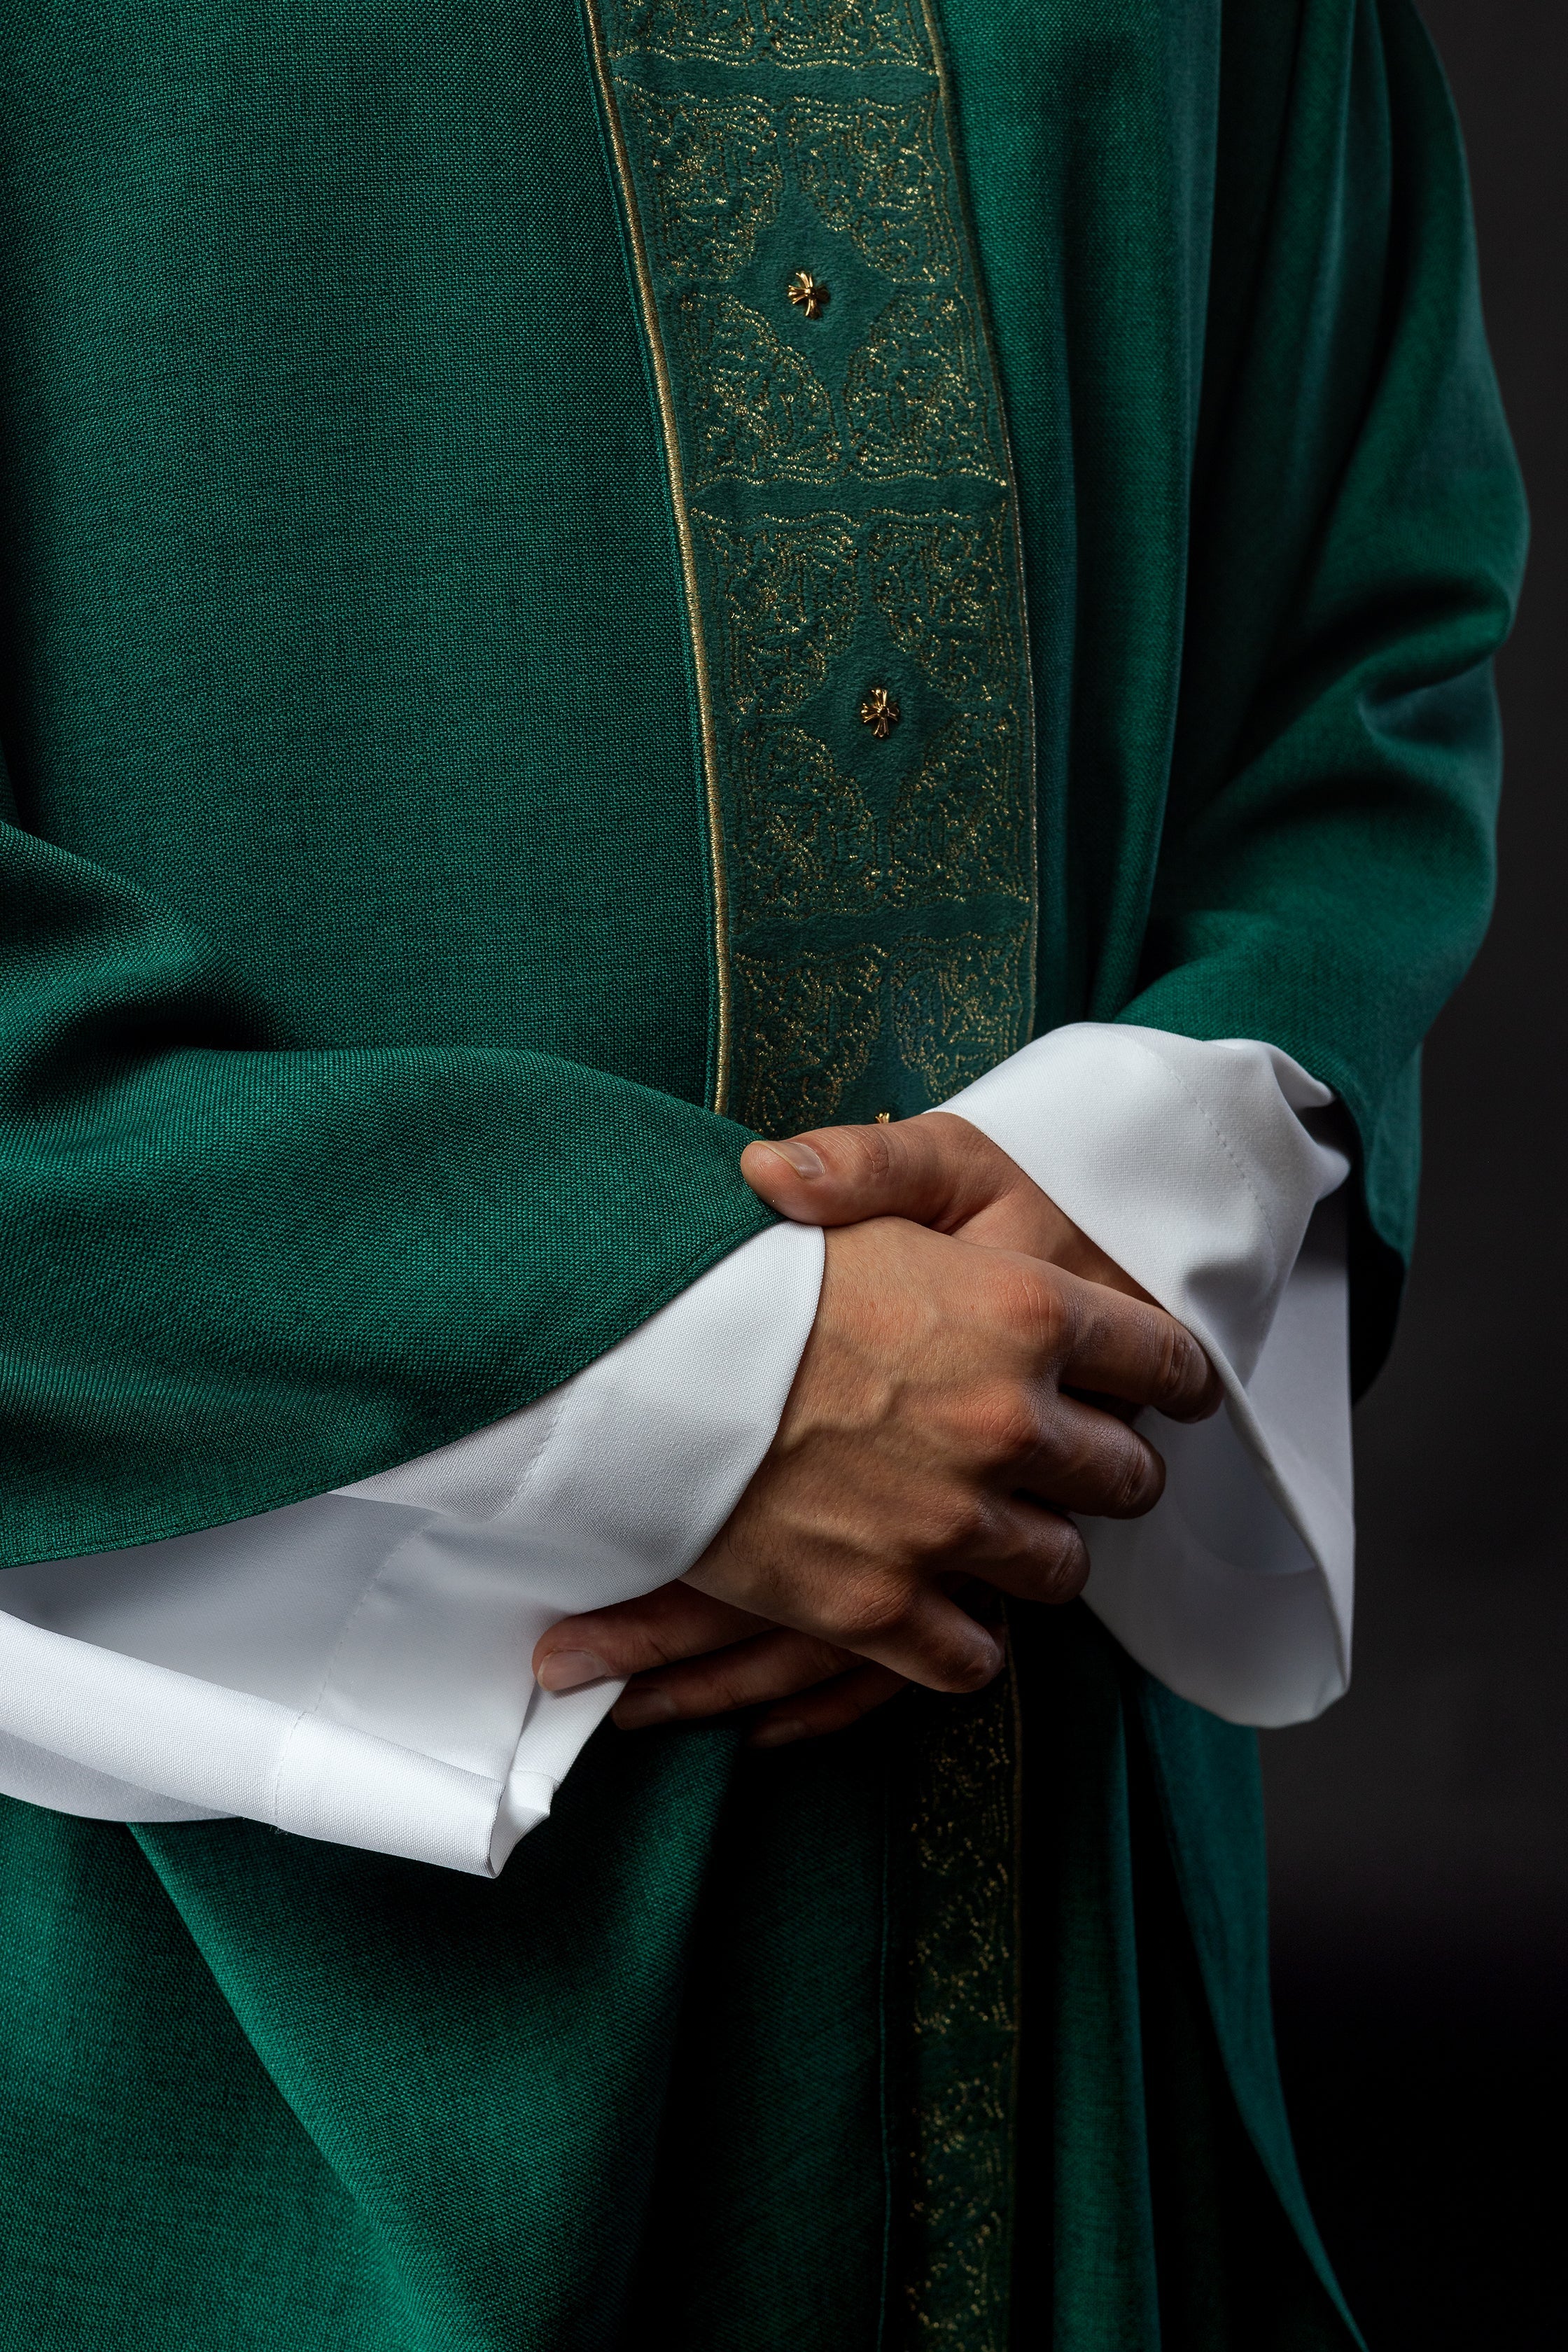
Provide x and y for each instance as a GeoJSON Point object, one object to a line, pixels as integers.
{"type": "Point", "coordinates": [809, 294]}
{"type": "Point", "coordinates": [879, 712]}
{"type": "Point", "coordinates": [884, 1119]}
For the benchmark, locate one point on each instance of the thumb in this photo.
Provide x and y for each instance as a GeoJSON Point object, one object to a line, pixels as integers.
{"type": "Point", "coordinates": [935, 1170]}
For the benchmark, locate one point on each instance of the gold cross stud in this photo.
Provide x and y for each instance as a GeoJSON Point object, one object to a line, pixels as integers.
{"type": "Point", "coordinates": [879, 712]}
{"type": "Point", "coordinates": [808, 294]}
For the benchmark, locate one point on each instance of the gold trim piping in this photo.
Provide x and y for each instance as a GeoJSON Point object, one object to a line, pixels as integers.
{"type": "Point", "coordinates": [668, 426]}
{"type": "Point", "coordinates": [983, 304]}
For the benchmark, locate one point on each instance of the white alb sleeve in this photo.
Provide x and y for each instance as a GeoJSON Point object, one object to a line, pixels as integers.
{"type": "Point", "coordinates": [1208, 1172]}
{"type": "Point", "coordinates": [356, 1667]}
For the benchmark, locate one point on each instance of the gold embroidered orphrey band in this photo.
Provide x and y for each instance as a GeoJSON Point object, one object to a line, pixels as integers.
{"type": "Point", "coordinates": [847, 528]}
{"type": "Point", "coordinates": [849, 546]}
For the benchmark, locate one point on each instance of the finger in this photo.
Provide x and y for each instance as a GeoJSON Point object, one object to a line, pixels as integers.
{"type": "Point", "coordinates": [1091, 1461]}
{"type": "Point", "coordinates": [831, 1706]}
{"type": "Point", "coordinates": [1037, 1555]}
{"type": "Point", "coordinates": [925, 1637]}
{"type": "Point", "coordinates": [604, 1644]}
{"type": "Point", "coordinates": [935, 1171]}
{"type": "Point", "coordinates": [775, 1665]}
{"type": "Point", "coordinates": [1139, 1353]}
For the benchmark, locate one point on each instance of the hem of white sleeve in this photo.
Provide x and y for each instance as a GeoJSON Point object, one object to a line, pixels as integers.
{"type": "Point", "coordinates": [218, 1754]}
{"type": "Point", "coordinates": [1261, 1652]}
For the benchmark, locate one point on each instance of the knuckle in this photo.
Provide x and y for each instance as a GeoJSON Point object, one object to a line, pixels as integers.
{"type": "Point", "coordinates": [1004, 1426]}
{"type": "Point", "coordinates": [659, 1645]}
{"type": "Point", "coordinates": [1170, 1355]}
{"type": "Point", "coordinates": [957, 1521]}
{"type": "Point", "coordinates": [1071, 1567]}
{"type": "Point", "coordinates": [873, 1609]}
{"type": "Point", "coordinates": [732, 1680]}
{"type": "Point", "coordinates": [864, 1155]}
{"type": "Point", "coordinates": [1050, 1311]}
{"type": "Point", "coordinates": [1183, 1366]}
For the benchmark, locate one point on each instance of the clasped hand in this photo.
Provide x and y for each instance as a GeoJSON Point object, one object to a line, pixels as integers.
{"type": "Point", "coordinates": [967, 1382]}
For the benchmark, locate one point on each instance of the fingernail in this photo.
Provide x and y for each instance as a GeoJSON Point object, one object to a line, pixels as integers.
{"type": "Point", "coordinates": [565, 1670]}
{"type": "Point", "coordinates": [640, 1708]}
{"type": "Point", "coordinates": [778, 1735]}
{"type": "Point", "coordinates": [798, 1156]}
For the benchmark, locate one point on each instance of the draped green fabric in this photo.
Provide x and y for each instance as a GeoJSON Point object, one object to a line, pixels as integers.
{"type": "Point", "coordinates": [648, 2089]}
{"type": "Point", "coordinates": [348, 716]}
{"type": "Point", "coordinates": [365, 942]}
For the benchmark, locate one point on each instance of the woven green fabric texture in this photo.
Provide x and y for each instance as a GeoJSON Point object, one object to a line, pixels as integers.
{"type": "Point", "coordinates": [645, 2091]}
{"type": "Point", "coordinates": [259, 2092]}
{"type": "Point", "coordinates": [357, 963]}
{"type": "Point", "coordinates": [355, 951]}
{"type": "Point", "coordinates": [362, 987]}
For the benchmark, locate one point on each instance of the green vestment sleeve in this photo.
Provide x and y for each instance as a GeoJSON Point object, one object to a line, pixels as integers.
{"type": "Point", "coordinates": [1274, 527]}
{"type": "Point", "coordinates": [1357, 535]}
{"type": "Point", "coordinates": [251, 1271]}
{"type": "Point", "coordinates": [354, 958]}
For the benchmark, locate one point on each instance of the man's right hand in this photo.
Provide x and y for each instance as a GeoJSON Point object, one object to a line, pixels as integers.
{"type": "Point", "coordinates": [933, 1435]}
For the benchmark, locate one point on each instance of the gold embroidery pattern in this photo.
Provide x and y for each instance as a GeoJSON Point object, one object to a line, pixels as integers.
{"type": "Point", "coordinates": [850, 526]}
{"type": "Point", "coordinates": [786, 598]}
{"type": "Point", "coordinates": [806, 839]}
{"type": "Point", "coordinates": [872, 171]}
{"type": "Point", "coordinates": [807, 1022]}
{"type": "Point", "coordinates": [790, 33]}
{"type": "Point", "coordinates": [966, 2022]}
{"type": "Point", "coordinates": [940, 583]}
{"type": "Point", "coordinates": [843, 32]}
{"type": "Point", "coordinates": [714, 168]}
{"type": "Point", "coordinates": [758, 412]}
{"type": "Point", "coordinates": [725, 32]}
{"type": "Point", "coordinates": [805, 1028]}
{"type": "Point", "coordinates": [955, 1006]}
{"type": "Point", "coordinates": [961, 817]}
{"type": "Point", "coordinates": [912, 396]}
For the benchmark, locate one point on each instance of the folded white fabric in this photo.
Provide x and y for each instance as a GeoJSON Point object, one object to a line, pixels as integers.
{"type": "Point", "coordinates": [356, 1667]}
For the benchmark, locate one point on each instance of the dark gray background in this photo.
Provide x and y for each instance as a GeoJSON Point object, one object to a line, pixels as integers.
{"type": "Point", "coordinates": [1420, 1859]}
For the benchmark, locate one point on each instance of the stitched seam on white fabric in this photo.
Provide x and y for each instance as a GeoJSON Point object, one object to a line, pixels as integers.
{"type": "Point", "coordinates": [415, 1536]}
{"type": "Point", "coordinates": [284, 1745]}
{"type": "Point", "coordinates": [1218, 1134]}
{"type": "Point", "coordinates": [548, 1440]}
{"type": "Point", "coordinates": [343, 1632]}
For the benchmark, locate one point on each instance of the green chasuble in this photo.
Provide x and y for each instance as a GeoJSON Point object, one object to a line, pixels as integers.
{"type": "Point", "coordinates": [575, 583]}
